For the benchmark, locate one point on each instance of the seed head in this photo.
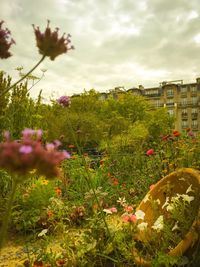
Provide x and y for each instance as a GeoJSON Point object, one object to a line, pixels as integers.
{"type": "Point", "coordinates": [50, 44]}
{"type": "Point", "coordinates": [5, 42]}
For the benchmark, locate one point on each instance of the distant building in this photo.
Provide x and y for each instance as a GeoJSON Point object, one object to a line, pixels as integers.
{"type": "Point", "coordinates": [181, 100]}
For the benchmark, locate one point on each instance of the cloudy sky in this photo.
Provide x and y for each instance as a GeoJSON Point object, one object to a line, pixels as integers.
{"type": "Point", "coordinates": [118, 42]}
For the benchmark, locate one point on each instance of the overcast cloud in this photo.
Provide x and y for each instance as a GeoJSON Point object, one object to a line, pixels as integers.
{"type": "Point", "coordinates": [118, 42]}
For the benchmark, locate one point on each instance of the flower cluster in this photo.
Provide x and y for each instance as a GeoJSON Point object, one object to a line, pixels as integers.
{"type": "Point", "coordinates": [22, 156]}
{"type": "Point", "coordinates": [5, 42]}
{"type": "Point", "coordinates": [64, 101]}
{"type": "Point", "coordinates": [49, 44]}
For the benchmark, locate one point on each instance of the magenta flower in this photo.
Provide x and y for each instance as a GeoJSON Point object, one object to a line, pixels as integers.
{"type": "Point", "coordinates": [5, 42]}
{"type": "Point", "coordinates": [150, 152]}
{"type": "Point", "coordinates": [49, 44]}
{"type": "Point", "coordinates": [64, 101]}
{"type": "Point", "coordinates": [129, 218]}
{"type": "Point", "coordinates": [28, 154]}
{"type": "Point", "coordinates": [25, 149]}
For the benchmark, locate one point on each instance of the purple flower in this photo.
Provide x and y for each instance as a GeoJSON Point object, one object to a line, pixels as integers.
{"type": "Point", "coordinates": [49, 44]}
{"type": "Point", "coordinates": [66, 154]}
{"type": "Point", "coordinates": [5, 42]}
{"type": "Point", "coordinates": [64, 101]}
{"type": "Point", "coordinates": [25, 149]}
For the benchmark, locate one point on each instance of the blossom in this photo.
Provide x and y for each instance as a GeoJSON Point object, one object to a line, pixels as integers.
{"type": "Point", "coordinates": [128, 208]}
{"type": "Point", "coordinates": [49, 44]}
{"type": "Point", "coordinates": [61, 262]}
{"type": "Point", "coordinates": [45, 182]}
{"type": "Point", "coordinates": [142, 226]}
{"type": "Point", "coordinates": [20, 157]}
{"type": "Point", "coordinates": [176, 133]}
{"type": "Point", "coordinates": [159, 224]}
{"type": "Point", "coordinates": [58, 191]}
{"type": "Point", "coordinates": [110, 210]}
{"type": "Point", "coordinates": [150, 152]}
{"type": "Point", "coordinates": [129, 218]}
{"type": "Point", "coordinates": [5, 42]}
{"type": "Point", "coordinates": [151, 186]}
{"type": "Point", "coordinates": [64, 101]}
{"type": "Point", "coordinates": [139, 214]}
{"type": "Point", "coordinates": [26, 149]}
{"type": "Point", "coordinates": [71, 146]}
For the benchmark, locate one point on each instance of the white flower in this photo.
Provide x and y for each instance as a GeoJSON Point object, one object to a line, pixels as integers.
{"type": "Point", "coordinates": [142, 226]}
{"type": "Point", "coordinates": [107, 211]}
{"type": "Point", "coordinates": [43, 232]}
{"type": "Point", "coordinates": [122, 201]}
{"type": "Point", "coordinates": [189, 189]}
{"type": "Point", "coordinates": [166, 203]}
{"type": "Point", "coordinates": [158, 225]}
{"type": "Point", "coordinates": [187, 198]}
{"type": "Point", "coordinates": [175, 227]}
{"type": "Point", "coordinates": [139, 214]}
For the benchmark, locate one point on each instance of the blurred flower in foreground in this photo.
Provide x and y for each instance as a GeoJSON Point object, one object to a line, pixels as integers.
{"type": "Point", "coordinates": [5, 42]}
{"type": "Point", "coordinates": [49, 44]}
{"type": "Point", "coordinates": [19, 157]}
{"type": "Point", "coordinates": [64, 101]}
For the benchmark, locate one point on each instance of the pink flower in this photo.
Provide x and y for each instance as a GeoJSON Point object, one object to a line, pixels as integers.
{"type": "Point", "coordinates": [28, 154]}
{"type": "Point", "coordinates": [128, 208]}
{"type": "Point", "coordinates": [25, 149]}
{"type": "Point", "coordinates": [64, 101]}
{"type": "Point", "coordinates": [151, 186]}
{"type": "Point", "coordinates": [113, 210]}
{"type": "Point", "coordinates": [150, 152]}
{"type": "Point", "coordinates": [129, 218]}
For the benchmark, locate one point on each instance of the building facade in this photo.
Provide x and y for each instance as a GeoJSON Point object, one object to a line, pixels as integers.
{"type": "Point", "coordinates": [181, 100]}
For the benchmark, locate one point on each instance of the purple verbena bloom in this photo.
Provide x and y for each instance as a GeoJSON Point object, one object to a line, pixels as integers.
{"type": "Point", "coordinates": [66, 154]}
{"type": "Point", "coordinates": [50, 44]}
{"type": "Point", "coordinates": [24, 149]}
{"type": "Point", "coordinates": [64, 101]}
{"type": "Point", "coordinates": [5, 42]}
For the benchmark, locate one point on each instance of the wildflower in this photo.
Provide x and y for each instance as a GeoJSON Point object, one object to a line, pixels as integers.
{"type": "Point", "coordinates": [101, 162]}
{"type": "Point", "coordinates": [189, 189]}
{"type": "Point", "coordinates": [128, 208]}
{"type": "Point", "coordinates": [115, 182]}
{"type": "Point", "coordinates": [140, 214]}
{"type": "Point", "coordinates": [61, 262]}
{"type": "Point", "coordinates": [64, 101]}
{"type": "Point", "coordinates": [28, 154]}
{"type": "Point", "coordinates": [71, 146]}
{"type": "Point", "coordinates": [142, 226]}
{"type": "Point", "coordinates": [58, 191]}
{"type": "Point", "coordinates": [190, 133]}
{"type": "Point", "coordinates": [165, 137]}
{"type": "Point", "coordinates": [110, 210]}
{"type": "Point", "coordinates": [129, 218]}
{"type": "Point", "coordinates": [151, 186]}
{"type": "Point", "coordinates": [176, 133]}
{"type": "Point", "coordinates": [150, 152]}
{"type": "Point", "coordinates": [43, 232]}
{"type": "Point", "coordinates": [158, 225]}
{"type": "Point", "coordinates": [25, 149]}
{"type": "Point", "coordinates": [49, 213]}
{"type": "Point", "coordinates": [38, 264]}
{"type": "Point", "coordinates": [5, 42]}
{"type": "Point", "coordinates": [122, 201]}
{"type": "Point", "coordinates": [44, 182]}
{"type": "Point", "coordinates": [49, 44]}
{"type": "Point", "coordinates": [175, 227]}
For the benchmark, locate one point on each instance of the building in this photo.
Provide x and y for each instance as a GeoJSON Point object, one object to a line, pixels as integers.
{"type": "Point", "coordinates": [181, 100]}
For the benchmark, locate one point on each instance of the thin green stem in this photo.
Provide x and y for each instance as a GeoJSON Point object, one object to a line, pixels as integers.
{"type": "Point", "coordinates": [5, 222]}
{"type": "Point", "coordinates": [26, 75]}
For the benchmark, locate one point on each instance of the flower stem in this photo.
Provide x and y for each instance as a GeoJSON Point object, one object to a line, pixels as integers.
{"type": "Point", "coordinates": [29, 72]}
{"type": "Point", "coordinates": [5, 222]}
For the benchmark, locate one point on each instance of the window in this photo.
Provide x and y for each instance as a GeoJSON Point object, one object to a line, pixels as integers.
{"type": "Point", "coordinates": [194, 111]}
{"type": "Point", "coordinates": [184, 124]}
{"type": "Point", "coordinates": [183, 90]}
{"type": "Point", "coordinates": [194, 100]}
{"type": "Point", "coordinates": [194, 89]}
{"type": "Point", "coordinates": [184, 102]}
{"type": "Point", "coordinates": [194, 124]}
{"type": "Point", "coordinates": [184, 112]}
{"type": "Point", "coordinates": [170, 93]}
{"type": "Point", "coordinates": [157, 103]}
{"type": "Point", "coordinates": [170, 102]}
